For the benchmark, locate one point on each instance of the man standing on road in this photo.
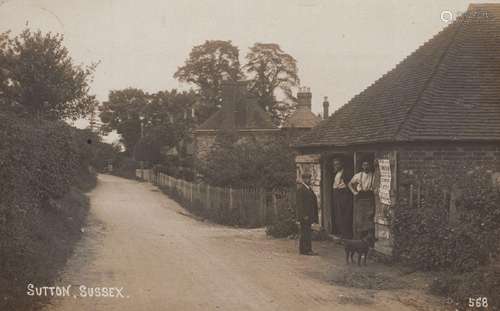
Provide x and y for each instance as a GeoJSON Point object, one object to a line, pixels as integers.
{"type": "Point", "coordinates": [307, 213]}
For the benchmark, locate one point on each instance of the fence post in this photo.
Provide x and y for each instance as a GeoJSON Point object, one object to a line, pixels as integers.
{"type": "Point", "coordinates": [262, 207]}
{"type": "Point", "coordinates": [411, 195]}
{"type": "Point", "coordinates": [275, 206]}
{"type": "Point", "coordinates": [230, 197]}
{"type": "Point", "coordinates": [207, 205]}
{"type": "Point", "coordinates": [419, 190]}
{"type": "Point", "coordinates": [241, 207]}
{"type": "Point", "coordinates": [191, 192]}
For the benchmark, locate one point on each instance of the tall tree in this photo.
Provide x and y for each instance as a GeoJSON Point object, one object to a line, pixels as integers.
{"type": "Point", "coordinates": [207, 66]}
{"type": "Point", "coordinates": [169, 124]}
{"type": "Point", "coordinates": [272, 71]}
{"type": "Point", "coordinates": [122, 112]}
{"type": "Point", "coordinates": [166, 119]}
{"type": "Point", "coordinates": [3, 66]}
{"type": "Point", "coordinates": [44, 82]}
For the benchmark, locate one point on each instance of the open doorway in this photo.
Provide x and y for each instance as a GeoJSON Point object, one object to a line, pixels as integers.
{"type": "Point", "coordinates": [338, 208]}
{"type": "Point", "coordinates": [364, 201]}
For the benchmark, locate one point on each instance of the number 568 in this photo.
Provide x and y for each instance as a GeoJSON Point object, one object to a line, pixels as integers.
{"type": "Point", "coordinates": [479, 302]}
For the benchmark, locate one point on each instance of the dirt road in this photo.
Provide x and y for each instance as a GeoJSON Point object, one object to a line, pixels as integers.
{"type": "Point", "coordinates": [139, 239]}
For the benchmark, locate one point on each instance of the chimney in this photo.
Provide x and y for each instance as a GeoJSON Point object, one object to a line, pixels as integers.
{"type": "Point", "coordinates": [326, 105]}
{"type": "Point", "coordinates": [304, 96]}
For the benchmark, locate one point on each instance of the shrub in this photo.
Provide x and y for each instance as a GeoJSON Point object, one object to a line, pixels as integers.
{"type": "Point", "coordinates": [428, 239]}
{"type": "Point", "coordinates": [462, 245]}
{"type": "Point", "coordinates": [41, 212]}
{"type": "Point", "coordinates": [482, 282]}
{"type": "Point", "coordinates": [125, 166]}
{"type": "Point", "coordinates": [249, 162]}
{"type": "Point", "coordinates": [284, 224]}
{"type": "Point", "coordinates": [282, 228]}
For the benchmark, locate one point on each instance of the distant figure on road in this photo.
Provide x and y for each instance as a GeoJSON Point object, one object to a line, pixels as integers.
{"type": "Point", "coordinates": [307, 213]}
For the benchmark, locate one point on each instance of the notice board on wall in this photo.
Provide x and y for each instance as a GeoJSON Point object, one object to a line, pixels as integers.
{"type": "Point", "coordinates": [385, 181]}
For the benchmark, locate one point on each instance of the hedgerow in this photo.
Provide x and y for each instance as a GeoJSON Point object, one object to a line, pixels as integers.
{"type": "Point", "coordinates": [41, 212]}
{"type": "Point", "coordinates": [461, 240]}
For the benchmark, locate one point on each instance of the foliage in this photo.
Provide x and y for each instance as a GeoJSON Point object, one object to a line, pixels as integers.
{"type": "Point", "coordinates": [430, 237]}
{"type": "Point", "coordinates": [122, 113]}
{"type": "Point", "coordinates": [3, 70]}
{"type": "Point", "coordinates": [40, 161]}
{"type": "Point", "coordinates": [166, 119]}
{"type": "Point", "coordinates": [124, 166]}
{"type": "Point", "coordinates": [270, 69]}
{"type": "Point", "coordinates": [284, 225]}
{"type": "Point", "coordinates": [481, 282]}
{"type": "Point", "coordinates": [168, 126]}
{"type": "Point", "coordinates": [249, 162]}
{"type": "Point", "coordinates": [41, 211]}
{"type": "Point", "coordinates": [104, 154]}
{"type": "Point", "coordinates": [207, 66]}
{"type": "Point", "coordinates": [284, 217]}
{"type": "Point", "coordinates": [43, 80]}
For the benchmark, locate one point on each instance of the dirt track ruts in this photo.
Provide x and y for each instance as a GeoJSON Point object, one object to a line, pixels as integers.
{"type": "Point", "coordinates": [137, 238]}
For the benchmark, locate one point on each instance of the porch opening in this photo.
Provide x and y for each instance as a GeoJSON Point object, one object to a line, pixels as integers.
{"type": "Point", "coordinates": [345, 215]}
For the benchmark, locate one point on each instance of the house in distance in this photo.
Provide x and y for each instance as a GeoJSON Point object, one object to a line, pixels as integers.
{"type": "Point", "coordinates": [240, 112]}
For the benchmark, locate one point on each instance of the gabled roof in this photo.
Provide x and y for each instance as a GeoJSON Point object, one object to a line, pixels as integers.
{"type": "Point", "coordinates": [303, 117]}
{"type": "Point", "coordinates": [448, 89]}
{"type": "Point", "coordinates": [238, 111]}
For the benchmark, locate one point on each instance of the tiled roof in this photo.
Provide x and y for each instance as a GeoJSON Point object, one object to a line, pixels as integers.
{"type": "Point", "coordinates": [302, 118]}
{"type": "Point", "coordinates": [448, 89]}
{"type": "Point", "coordinates": [252, 116]}
{"type": "Point", "coordinates": [245, 113]}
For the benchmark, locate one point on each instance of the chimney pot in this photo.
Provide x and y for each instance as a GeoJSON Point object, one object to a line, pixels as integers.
{"type": "Point", "coordinates": [326, 106]}
{"type": "Point", "coordinates": [304, 96]}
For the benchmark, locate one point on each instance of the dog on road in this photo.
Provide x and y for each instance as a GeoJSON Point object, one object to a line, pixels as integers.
{"type": "Point", "coordinates": [360, 247]}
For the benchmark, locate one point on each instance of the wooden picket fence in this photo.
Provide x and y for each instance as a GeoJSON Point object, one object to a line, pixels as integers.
{"type": "Point", "coordinates": [250, 207]}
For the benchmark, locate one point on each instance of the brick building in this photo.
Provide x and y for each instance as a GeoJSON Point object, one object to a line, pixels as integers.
{"type": "Point", "coordinates": [437, 109]}
{"type": "Point", "coordinates": [238, 112]}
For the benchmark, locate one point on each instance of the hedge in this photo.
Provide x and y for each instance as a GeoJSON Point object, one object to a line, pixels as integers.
{"type": "Point", "coordinates": [41, 210]}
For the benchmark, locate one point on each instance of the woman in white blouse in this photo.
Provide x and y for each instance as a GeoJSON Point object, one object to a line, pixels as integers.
{"type": "Point", "coordinates": [361, 186]}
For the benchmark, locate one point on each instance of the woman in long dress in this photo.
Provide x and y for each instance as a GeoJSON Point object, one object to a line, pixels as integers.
{"type": "Point", "coordinates": [341, 202]}
{"type": "Point", "coordinates": [361, 186]}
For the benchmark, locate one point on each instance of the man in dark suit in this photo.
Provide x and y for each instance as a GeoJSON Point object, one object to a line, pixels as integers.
{"type": "Point", "coordinates": [307, 213]}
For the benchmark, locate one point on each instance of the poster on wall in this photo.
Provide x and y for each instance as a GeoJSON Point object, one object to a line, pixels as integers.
{"type": "Point", "coordinates": [385, 181]}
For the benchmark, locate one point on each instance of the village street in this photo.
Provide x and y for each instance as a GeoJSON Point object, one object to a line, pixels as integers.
{"type": "Point", "coordinates": [139, 239]}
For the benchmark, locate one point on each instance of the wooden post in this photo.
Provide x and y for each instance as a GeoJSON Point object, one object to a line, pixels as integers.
{"type": "Point", "coordinates": [241, 207]}
{"type": "Point", "coordinates": [207, 206]}
{"type": "Point", "coordinates": [275, 206]}
{"type": "Point", "coordinates": [262, 207]}
{"type": "Point", "coordinates": [230, 197]}
{"type": "Point", "coordinates": [411, 195]}
{"type": "Point", "coordinates": [191, 192]}
{"type": "Point", "coordinates": [419, 190]}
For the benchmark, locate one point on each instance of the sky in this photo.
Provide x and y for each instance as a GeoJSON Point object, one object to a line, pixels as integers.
{"type": "Point", "coordinates": [341, 46]}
